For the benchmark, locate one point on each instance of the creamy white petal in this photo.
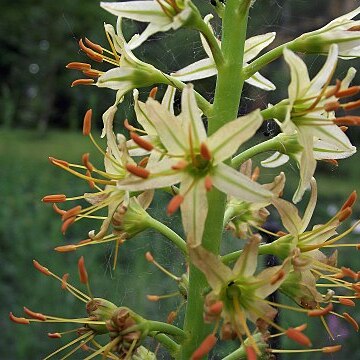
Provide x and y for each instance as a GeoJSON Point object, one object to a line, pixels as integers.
{"type": "Point", "coordinates": [255, 44]}
{"type": "Point", "coordinates": [198, 70]}
{"type": "Point", "coordinates": [168, 99]}
{"type": "Point", "coordinates": [260, 82]}
{"type": "Point", "coordinates": [275, 160]}
{"type": "Point", "coordinates": [246, 264]}
{"type": "Point", "coordinates": [289, 215]}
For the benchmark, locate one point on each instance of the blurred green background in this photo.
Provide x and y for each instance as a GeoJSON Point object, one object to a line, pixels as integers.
{"type": "Point", "coordinates": [42, 116]}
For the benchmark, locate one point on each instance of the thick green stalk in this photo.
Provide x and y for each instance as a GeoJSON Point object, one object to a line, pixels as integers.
{"type": "Point", "coordinates": [229, 85]}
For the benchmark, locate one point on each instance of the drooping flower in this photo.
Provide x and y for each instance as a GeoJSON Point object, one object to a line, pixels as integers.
{"type": "Point", "coordinates": [162, 15]}
{"type": "Point", "coordinates": [241, 293]}
{"type": "Point", "coordinates": [195, 161]}
{"type": "Point", "coordinates": [206, 67]}
{"type": "Point", "coordinates": [309, 114]}
{"type": "Point", "coordinates": [343, 31]}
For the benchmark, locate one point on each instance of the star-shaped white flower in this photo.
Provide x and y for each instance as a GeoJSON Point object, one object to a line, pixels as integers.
{"type": "Point", "coordinates": [196, 161]}
{"type": "Point", "coordinates": [206, 67]}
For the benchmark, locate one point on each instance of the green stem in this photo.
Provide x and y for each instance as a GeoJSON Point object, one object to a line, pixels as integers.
{"type": "Point", "coordinates": [268, 145]}
{"type": "Point", "coordinates": [170, 234]}
{"type": "Point", "coordinates": [203, 104]}
{"type": "Point", "coordinates": [265, 59]}
{"type": "Point", "coordinates": [165, 328]}
{"type": "Point", "coordinates": [229, 85]}
{"type": "Point", "coordinates": [168, 343]}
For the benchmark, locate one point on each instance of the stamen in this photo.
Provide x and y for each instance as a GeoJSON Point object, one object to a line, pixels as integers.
{"type": "Point", "coordinates": [66, 224]}
{"type": "Point", "coordinates": [71, 212]}
{"type": "Point", "coordinates": [141, 142]}
{"type": "Point", "coordinates": [277, 277]}
{"type": "Point", "coordinates": [93, 73]}
{"type": "Point", "coordinates": [41, 268]}
{"type": "Point", "coordinates": [65, 248]}
{"type": "Point", "coordinates": [82, 82]}
{"type": "Point", "coordinates": [171, 317]}
{"type": "Point", "coordinates": [250, 353]}
{"type": "Point", "coordinates": [351, 321]}
{"type": "Point", "coordinates": [82, 271]}
{"type": "Point", "coordinates": [64, 280]}
{"type": "Point", "coordinates": [205, 347]}
{"type": "Point", "coordinates": [78, 66]}
{"type": "Point", "coordinates": [333, 91]}
{"type": "Point", "coordinates": [349, 273]}
{"type": "Point", "coordinates": [143, 162]}
{"type": "Point", "coordinates": [351, 105]}
{"type": "Point", "coordinates": [344, 214]}
{"type": "Point", "coordinates": [85, 160]}
{"type": "Point", "coordinates": [18, 320]}
{"type": "Point", "coordinates": [128, 126]}
{"type": "Point", "coordinates": [55, 161]}
{"type": "Point", "coordinates": [58, 210]}
{"type": "Point", "coordinates": [256, 173]}
{"type": "Point", "coordinates": [54, 198]}
{"type": "Point", "coordinates": [94, 46]}
{"type": "Point", "coordinates": [347, 120]}
{"type": "Point", "coordinates": [151, 259]}
{"type": "Point", "coordinates": [137, 171]}
{"type": "Point", "coordinates": [153, 92]}
{"type": "Point", "coordinates": [205, 152]}
{"type": "Point", "coordinates": [174, 204]}
{"type": "Point", "coordinates": [298, 337]}
{"type": "Point", "coordinates": [350, 201]}
{"type": "Point", "coordinates": [332, 106]}
{"type": "Point", "coordinates": [54, 335]}
{"type": "Point", "coordinates": [353, 90]}
{"type": "Point", "coordinates": [34, 315]}
{"type": "Point", "coordinates": [331, 349]}
{"type": "Point", "coordinates": [87, 122]}
{"type": "Point", "coordinates": [346, 302]}
{"type": "Point", "coordinates": [321, 312]}
{"type": "Point", "coordinates": [90, 53]}
{"type": "Point", "coordinates": [208, 183]}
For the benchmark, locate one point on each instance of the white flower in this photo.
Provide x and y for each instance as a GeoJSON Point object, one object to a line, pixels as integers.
{"type": "Point", "coordinates": [196, 161]}
{"type": "Point", "coordinates": [162, 15]}
{"type": "Point", "coordinates": [206, 67]}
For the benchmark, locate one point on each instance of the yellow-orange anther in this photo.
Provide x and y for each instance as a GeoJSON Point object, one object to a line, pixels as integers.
{"type": "Point", "coordinates": [149, 257]}
{"type": "Point", "coordinates": [34, 315]}
{"type": "Point", "coordinates": [250, 353]}
{"type": "Point", "coordinates": [86, 162]}
{"type": "Point", "coordinates": [350, 273]}
{"type": "Point", "coordinates": [298, 337]}
{"type": "Point", "coordinates": [54, 335]}
{"type": "Point", "coordinates": [334, 90]}
{"type": "Point", "coordinates": [144, 144]}
{"type": "Point", "coordinates": [82, 82]}
{"type": "Point", "coordinates": [205, 152]}
{"type": "Point", "coordinates": [90, 53]}
{"type": "Point", "coordinates": [205, 347]}
{"type": "Point", "coordinates": [321, 312]}
{"type": "Point", "coordinates": [256, 173]}
{"type": "Point", "coordinates": [346, 302]}
{"type": "Point", "coordinates": [78, 66]}
{"type": "Point", "coordinates": [332, 106]}
{"type": "Point", "coordinates": [82, 271]}
{"type": "Point", "coordinates": [174, 204]}
{"type": "Point", "coordinates": [137, 171]}
{"type": "Point", "coordinates": [153, 92]}
{"type": "Point", "coordinates": [92, 73]}
{"type": "Point", "coordinates": [345, 214]}
{"type": "Point", "coordinates": [352, 105]}
{"type": "Point", "coordinates": [71, 212]}
{"type": "Point", "coordinates": [18, 320]}
{"type": "Point", "coordinates": [351, 321]}
{"type": "Point", "coordinates": [66, 224]}
{"type": "Point", "coordinates": [351, 91]}
{"type": "Point", "coordinates": [301, 327]}
{"type": "Point", "coordinates": [331, 349]}
{"type": "Point", "coordinates": [58, 210]}
{"type": "Point", "coordinates": [41, 268]}
{"type": "Point", "coordinates": [64, 280]}
{"type": "Point", "coordinates": [347, 120]}
{"type": "Point", "coordinates": [153, 297]}
{"type": "Point", "coordinates": [65, 248]}
{"type": "Point", "coordinates": [56, 198]}
{"type": "Point", "coordinates": [171, 317]}
{"type": "Point", "coordinates": [87, 122]}
{"type": "Point", "coordinates": [208, 183]}
{"type": "Point", "coordinates": [58, 162]}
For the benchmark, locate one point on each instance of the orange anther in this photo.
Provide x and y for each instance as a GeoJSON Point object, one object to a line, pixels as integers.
{"type": "Point", "coordinates": [352, 105]}
{"type": "Point", "coordinates": [66, 248]}
{"type": "Point", "coordinates": [344, 214]}
{"type": "Point", "coordinates": [153, 92]}
{"type": "Point", "coordinates": [350, 273]}
{"type": "Point", "coordinates": [174, 204]}
{"type": "Point", "coordinates": [84, 241]}
{"type": "Point", "coordinates": [208, 183]}
{"type": "Point", "coordinates": [129, 126]}
{"type": "Point", "coordinates": [216, 308]}
{"type": "Point", "coordinates": [143, 162]}
{"type": "Point", "coordinates": [205, 347]}
{"type": "Point", "coordinates": [87, 122]}
{"type": "Point", "coordinates": [346, 302]}
{"type": "Point", "coordinates": [153, 297]}
{"type": "Point", "coordinates": [71, 212]}
{"type": "Point", "coordinates": [205, 152]}
{"type": "Point", "coordinates": [92, 73]}
{"type": "Point", "coordinates": [54, 198]}
{"type": "Point", "coordinates": [351, 321]}
{"type": "Point", "coordinates": [321, 312]}
{"type": "Point", "coordinates": [82, 271]}
{"type": "Point", "coordinates": [82, 82]}
{"type": "Point", "coordinates": [137, 171]}
{"type": "Point", "coordinates": [18, 320]}
{"type": "Point", "coordinates": [78, 66]}
{"type": "Point", "coordinates": [171, 317]}
{"type": "Point", "coordinates": [149, 257]}
{"type": "Point", "coordinates": [331, 349]}
{"type": "Point", "coordinates": [54, 335]}
{"type": "Point", "coordinates": [250, 353]}
{"type": "Point", "coordinates": [144, 144]}
{"type": "Point", "coordinates": [332, 106]}
{"type": "Point", "coordinates": [58, 162]}
{"type": "Point", "coordinates": [298, 337]}
{"type": "Point", "coordinates": [86, 162]}
{"type": "Point", "coordinates": [66, 224]}
{"type": "Point", "coordinates": [41, 268]}
{"type": "Point", "coordinates": [334, 90]}
{"type": "Point", "coordinates": [350, 201]}
{"type": "Point", "coordinates": [279, 275]}
{"type": "Point", "coordinates": [281, 233]}
{"type": "Point", "coordinates": [256, 173]}
{"type": "Point", "coordinates": [64, 280]}
{"type": "Point", "coordinates": [353, 90]}
{"type": "Point", "coordinates": [34, 315]}
{"type": "Point", "coordinates": [180, 165]}
{"type": "Point", "coordinates": [90, 182]}
{"type": "Point", "coordinates": [90, 53]}
{"type": "Point", "coordinates": [58, 210]}
{"type": "Point", "coordinates": [343, 128]}
{"type": "Point", "coordinates": [94, 46]}
{"type": "Point", "coordinates": [301, 327]}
